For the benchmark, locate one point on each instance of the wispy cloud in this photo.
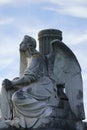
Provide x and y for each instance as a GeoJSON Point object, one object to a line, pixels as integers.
{"type": "Point", "coordinates": [5, 1]}
{"type": "Point", "coordinates": [76, 11]}
{"type": "Point", "coordinates": [74, 37]}
{"type": "Point", "coordinates": [73, 8]}
{"type": "Point", "coordinates": [5, 21]}
{"type": "Point", "coordinates": [22, 2]}
{"type": "Point", "coordinates": [69, 2]}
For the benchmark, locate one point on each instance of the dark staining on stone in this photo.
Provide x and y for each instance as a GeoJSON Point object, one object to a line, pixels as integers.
{"type": "Point", "coordinates": [80, 112]}
{"type": "Point", "coordinates": [80, 94]}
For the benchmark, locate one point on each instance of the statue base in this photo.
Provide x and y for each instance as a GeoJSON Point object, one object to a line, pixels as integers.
{"type": "Point", "coordinates": [12, 128]}
{"type": "Point", "coordinates": [84, 125]}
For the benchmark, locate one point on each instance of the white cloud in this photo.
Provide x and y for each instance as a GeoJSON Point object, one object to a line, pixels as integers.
{"type": "Point", "coordinates": [22, 2]}
{"type": "Point", "coordinates": [71, 10]}
{"type": "Point", "coordinates": [76, 11]}
{"type": "Point", "coordinates": [77, 8]}
{"type": "Point", "coordinates": [5, 1]}
{"type": "Point", "coordinates": [69, 2]}
{"type": "Point", "coordinates": [8, 52]}
{"type": "Point", "coordinates": [9, 45]}
{"type": "Point", "coordinates": [75, 37]}
{"type": "Point", "coordinates": [5, 21]}
{"type": "Point", "coordinates": [70, 7]}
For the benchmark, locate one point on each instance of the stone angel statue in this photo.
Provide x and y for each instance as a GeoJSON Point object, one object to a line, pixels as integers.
{"type": "Point", "coordinates": [29, 100]}
{"type": "Point", "coordinates": [65, 69]}
{"type": "Point", "coordinates": [36, 98]}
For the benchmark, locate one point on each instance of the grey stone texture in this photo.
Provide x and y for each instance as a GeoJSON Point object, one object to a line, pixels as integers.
{"type": "Point", "coordinates": [45, 37]}
{"type": "Point", "coordinates": [48, 94]}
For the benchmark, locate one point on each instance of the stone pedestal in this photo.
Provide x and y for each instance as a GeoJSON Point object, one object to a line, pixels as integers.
{"type": "Point", "coordinates": [34, 129]}
{"type": "Point", "coordinates": [45, 37]}
{"type": "Point", "coordinates": [66, 128]}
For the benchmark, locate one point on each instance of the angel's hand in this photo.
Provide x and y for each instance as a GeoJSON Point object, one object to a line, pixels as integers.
{"type": "Point", "coordinates": [7, 84]}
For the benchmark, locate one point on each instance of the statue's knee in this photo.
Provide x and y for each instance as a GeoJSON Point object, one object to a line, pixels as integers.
{"type": "Point", "coordinates": [17, 96]}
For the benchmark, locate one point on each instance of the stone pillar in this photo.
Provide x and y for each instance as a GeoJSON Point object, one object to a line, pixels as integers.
{"type": "Point", "coordinates": [45, 37]}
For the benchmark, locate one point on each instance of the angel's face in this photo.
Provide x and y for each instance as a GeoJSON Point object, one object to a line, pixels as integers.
{"type": "Point", "coordinates": [27, 46]}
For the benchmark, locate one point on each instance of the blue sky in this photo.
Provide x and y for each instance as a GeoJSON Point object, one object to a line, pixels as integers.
{"type": "Point", "coordinates": [20, 17]}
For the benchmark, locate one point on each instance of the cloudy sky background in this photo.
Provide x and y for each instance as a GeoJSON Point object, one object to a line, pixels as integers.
{"type": "Point", "coordinates": [20, 17]}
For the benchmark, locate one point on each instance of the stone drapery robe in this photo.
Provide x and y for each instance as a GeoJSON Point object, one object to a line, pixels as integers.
{"type": "Point", "coordinates": [32, 103]}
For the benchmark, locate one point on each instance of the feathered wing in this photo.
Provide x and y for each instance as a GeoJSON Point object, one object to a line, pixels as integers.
{"type": "Point", "coordinates": [67, 71]}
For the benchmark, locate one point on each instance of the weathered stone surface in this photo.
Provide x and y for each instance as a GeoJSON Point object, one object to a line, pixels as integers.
{"type": "Point", "coordinates": [45, 37]}
{"type": "Point", "coordinates": [11, 128]}
{"type": "Point", "coordinates": [66, 127]}
{"type": "Point", "coordinates": [36, 99]}
{"type": "Point", "coordinates": [85, 125]}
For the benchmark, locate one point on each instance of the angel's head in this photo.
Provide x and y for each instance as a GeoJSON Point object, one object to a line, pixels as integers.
{"type": "Point", "coordinates": [28, 44]}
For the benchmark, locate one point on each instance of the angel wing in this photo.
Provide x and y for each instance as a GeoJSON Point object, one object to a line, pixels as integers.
{"type": "Point", "coordinates": [67, 71]}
